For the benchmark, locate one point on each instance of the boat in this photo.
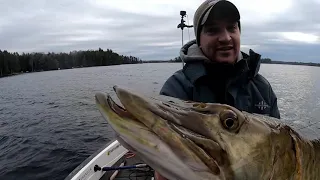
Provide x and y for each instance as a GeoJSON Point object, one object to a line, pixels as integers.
{"type": "Point", "coordinates": [112, 162]}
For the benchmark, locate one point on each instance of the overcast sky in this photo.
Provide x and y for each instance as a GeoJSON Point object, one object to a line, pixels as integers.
{"type": "Point", "coordinates": [287, 30]}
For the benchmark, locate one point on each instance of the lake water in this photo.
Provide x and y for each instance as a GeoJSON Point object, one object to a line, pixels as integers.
{"type": "Point", "coordinates": [49, 123]}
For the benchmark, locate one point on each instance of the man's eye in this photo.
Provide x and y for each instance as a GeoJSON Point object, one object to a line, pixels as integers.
{"type": "Point", "coordinates": [232, 28]}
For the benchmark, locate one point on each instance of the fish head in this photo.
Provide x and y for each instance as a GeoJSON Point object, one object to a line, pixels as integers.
{"type": "Point", "coordinates": [192, 140]}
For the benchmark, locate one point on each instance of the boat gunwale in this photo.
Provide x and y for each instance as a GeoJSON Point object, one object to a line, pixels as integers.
{"type": "Point", "coordinates": [85, 165]}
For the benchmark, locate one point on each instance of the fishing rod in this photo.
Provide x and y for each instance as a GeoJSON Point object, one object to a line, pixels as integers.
{"type": "Point", "coordinates": [182, 25]}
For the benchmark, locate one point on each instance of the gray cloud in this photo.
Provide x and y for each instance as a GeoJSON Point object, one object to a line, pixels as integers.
{"type": "Point", "coordinates": [301, 17]}
{"type": "Point", "coordinates": [63, 26]}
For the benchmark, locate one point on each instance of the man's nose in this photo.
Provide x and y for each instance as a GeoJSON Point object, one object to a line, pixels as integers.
{"type": "Point", "coordinates": [224, 36]}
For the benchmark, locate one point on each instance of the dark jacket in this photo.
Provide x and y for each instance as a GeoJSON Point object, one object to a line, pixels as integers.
{"type": "Point", "coordinates": [238, 85]}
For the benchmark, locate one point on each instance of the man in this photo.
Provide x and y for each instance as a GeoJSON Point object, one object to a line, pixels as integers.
{"type": "Point", "coordinates": [216, 70]}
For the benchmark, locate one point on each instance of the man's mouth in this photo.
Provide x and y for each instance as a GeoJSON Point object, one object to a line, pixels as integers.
{"type": "Point", "coordinates": [226, 48]}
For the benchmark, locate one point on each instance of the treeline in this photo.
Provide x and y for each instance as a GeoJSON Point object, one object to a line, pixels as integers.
{"type": "Point", "coordinates": [267, 61]}
{"type": "Point", "coordinates": [14, 63]}
{"type": "Point", "coordinates": [176, 59]}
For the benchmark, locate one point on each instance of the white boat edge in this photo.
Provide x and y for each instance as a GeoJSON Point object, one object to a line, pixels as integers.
{"type": "Point", "coordinates": [107, 156]}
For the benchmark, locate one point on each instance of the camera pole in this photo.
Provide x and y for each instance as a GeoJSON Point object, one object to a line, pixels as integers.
{"type": "Point", "coordinates": [182, 25]}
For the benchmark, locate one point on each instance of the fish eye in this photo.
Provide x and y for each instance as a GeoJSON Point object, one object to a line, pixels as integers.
{"type": "Point", "coordinates": [229, 120]}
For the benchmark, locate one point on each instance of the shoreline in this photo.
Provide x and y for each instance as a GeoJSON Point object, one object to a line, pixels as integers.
{"type": "Point", "coordinates": [274, 62]}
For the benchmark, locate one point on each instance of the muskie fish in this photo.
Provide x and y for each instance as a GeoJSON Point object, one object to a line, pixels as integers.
{"type": "Point", "coordinates": [185, 140]}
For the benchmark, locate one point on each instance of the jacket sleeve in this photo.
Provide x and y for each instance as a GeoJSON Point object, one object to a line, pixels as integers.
{"type": "Point", "coordinates": [175, 86]}
{"type": "Point", "coordinates": [274, 110]}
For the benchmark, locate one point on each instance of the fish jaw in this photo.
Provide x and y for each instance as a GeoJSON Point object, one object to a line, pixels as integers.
{"type": "Point", "coordinates": [124, 125]}
{"type": "Point", "coordinates": [173, 163]}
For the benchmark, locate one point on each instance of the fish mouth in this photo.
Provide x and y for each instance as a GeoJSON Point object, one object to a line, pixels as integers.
{"type": "Point", "coordinates": [112, 105]}
{"type": "Point", "coordinates": [119, 110]}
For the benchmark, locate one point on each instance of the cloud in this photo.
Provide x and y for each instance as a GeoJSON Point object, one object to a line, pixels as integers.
{"type": "Point", "coordinates": [282, 30]}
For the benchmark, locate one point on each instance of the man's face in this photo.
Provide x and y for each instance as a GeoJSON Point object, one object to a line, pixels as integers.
{"type": "Point", "coordinates": [220, 41]}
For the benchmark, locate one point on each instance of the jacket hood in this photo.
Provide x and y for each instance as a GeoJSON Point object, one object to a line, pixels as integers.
{"type": "Point", "coordinates": [190, 52]}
